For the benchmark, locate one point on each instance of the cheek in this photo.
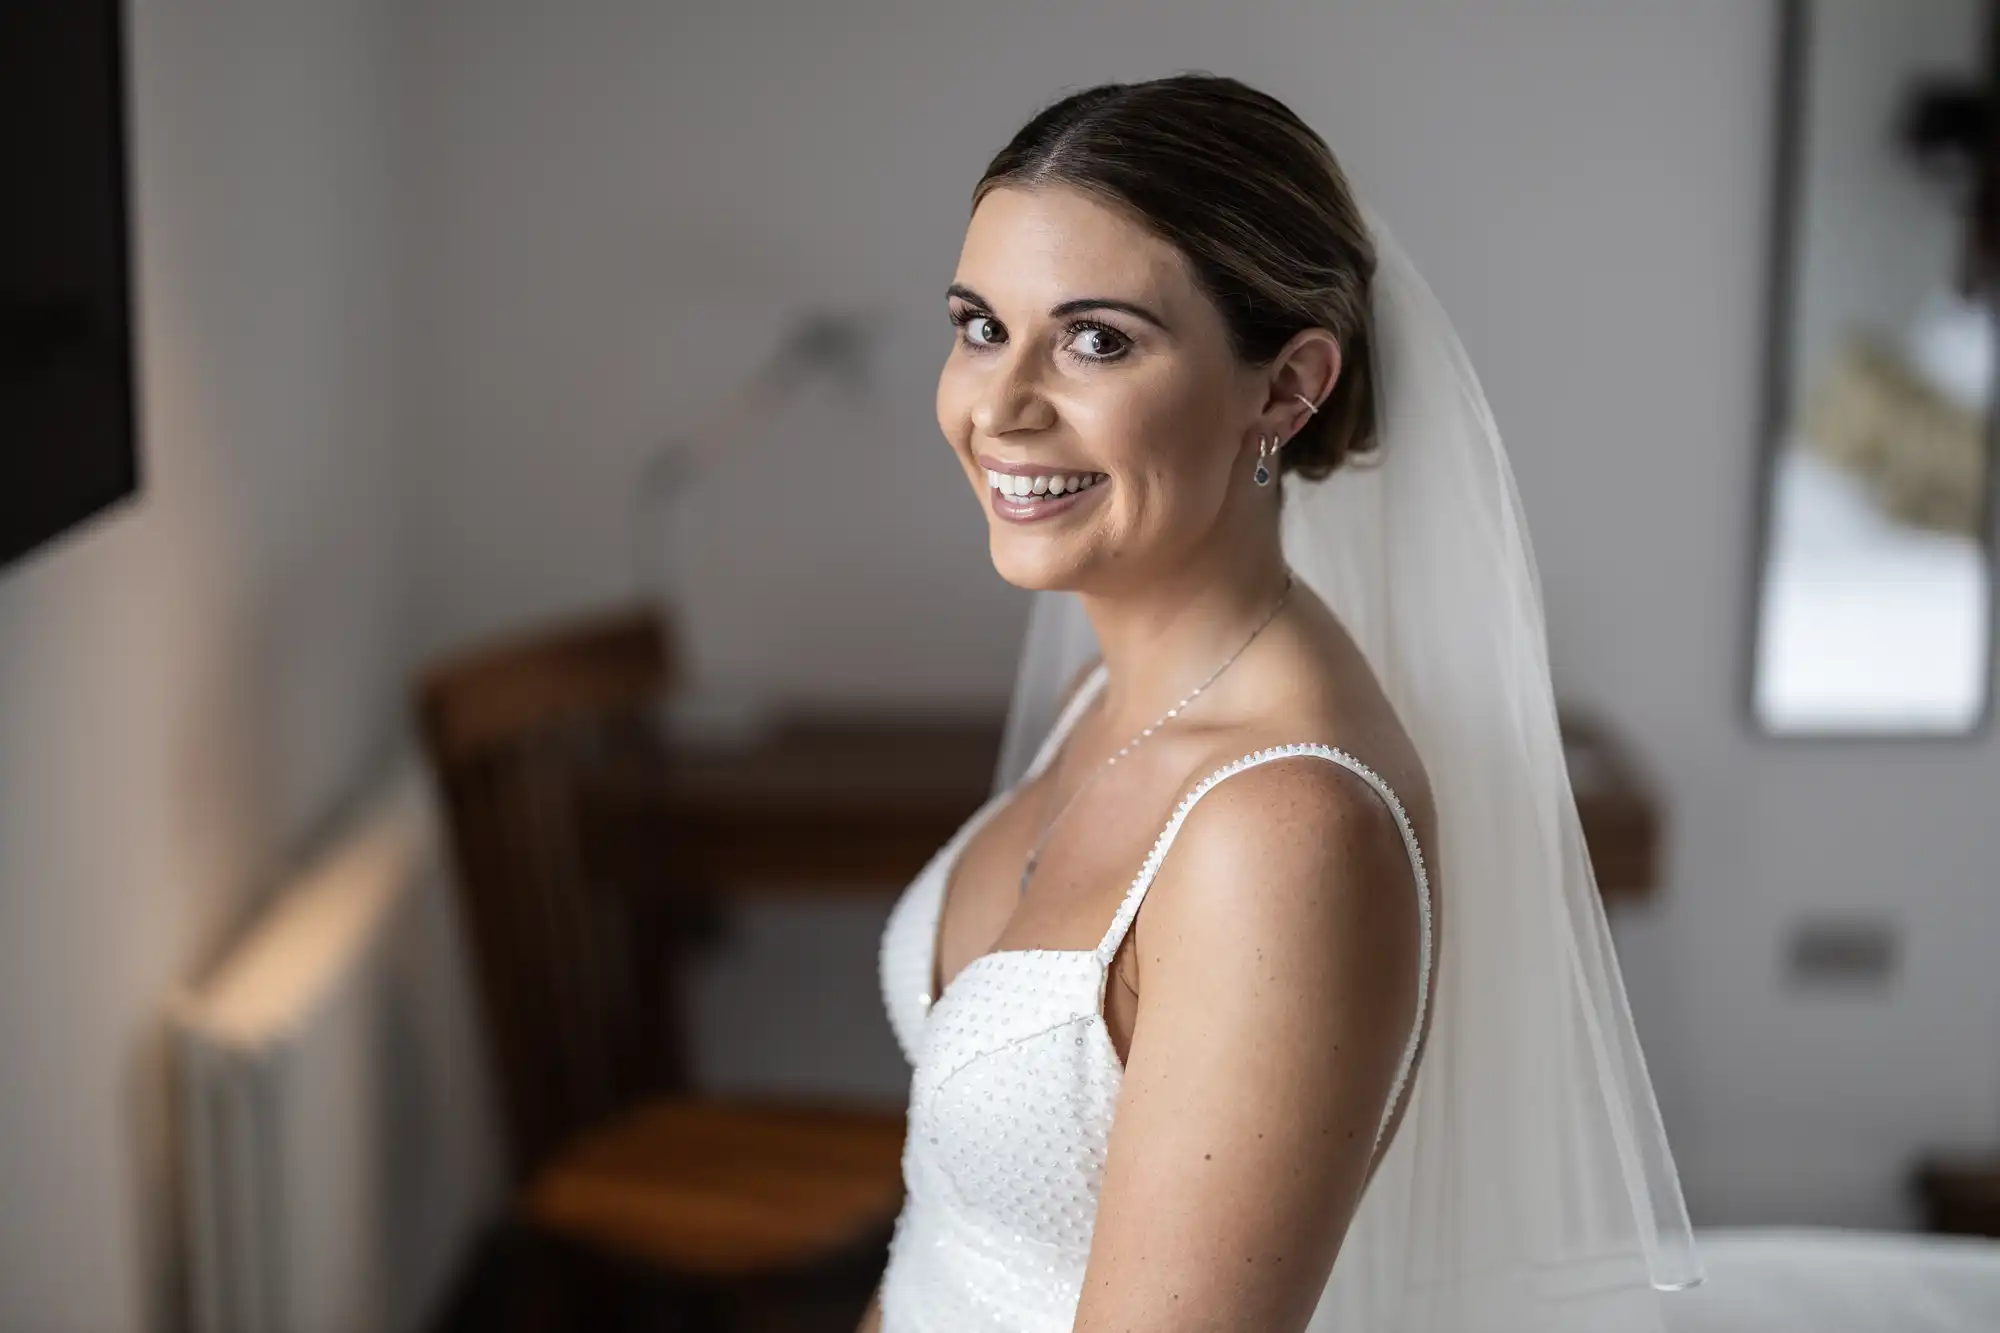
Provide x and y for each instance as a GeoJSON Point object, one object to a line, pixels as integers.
{"type": "Point", "coordinates": [1164, 440]}
{"type": "Point", "coordinates": [954, 403]}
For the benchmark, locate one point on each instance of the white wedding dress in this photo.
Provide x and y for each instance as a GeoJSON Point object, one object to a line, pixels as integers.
{"type": "Point", "coordinates": [1015, 1086]}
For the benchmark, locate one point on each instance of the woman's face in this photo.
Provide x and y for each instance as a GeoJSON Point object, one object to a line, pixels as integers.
{"type": "Point", "coordinates": [1086, 354]}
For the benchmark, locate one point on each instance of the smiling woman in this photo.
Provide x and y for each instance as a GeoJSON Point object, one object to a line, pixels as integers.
{"type": "Point", "coordinates": [1252, 998]}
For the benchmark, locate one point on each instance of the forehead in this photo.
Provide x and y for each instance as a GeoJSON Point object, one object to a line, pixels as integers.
{"type": "Point", "coordinates": [1048, 244]}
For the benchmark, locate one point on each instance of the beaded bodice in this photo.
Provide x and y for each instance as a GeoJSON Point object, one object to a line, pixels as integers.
{"type": "Point", "coordinates": [1014, 1088]}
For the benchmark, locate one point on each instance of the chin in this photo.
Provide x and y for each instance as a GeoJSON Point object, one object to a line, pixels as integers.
{"type": "Point", "coordinates": [1048, 551]}
{"type": "Point", "coordinates": [1034, 564]}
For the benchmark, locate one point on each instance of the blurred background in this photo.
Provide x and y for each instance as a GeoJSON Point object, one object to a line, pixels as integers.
{"type": "Point", "coordinates": [489, 622]}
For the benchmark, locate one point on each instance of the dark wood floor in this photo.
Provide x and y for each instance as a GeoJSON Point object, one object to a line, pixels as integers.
{"type": "Point", "coordinates": [518, 1281]}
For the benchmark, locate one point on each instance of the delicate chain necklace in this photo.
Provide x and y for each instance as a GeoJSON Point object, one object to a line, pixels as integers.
{"type": "Point", "coordinates": [1035, 852]}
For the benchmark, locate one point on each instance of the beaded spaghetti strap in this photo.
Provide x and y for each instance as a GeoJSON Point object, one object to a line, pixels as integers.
{"type": "Point", "coordinates": [1121, 921]}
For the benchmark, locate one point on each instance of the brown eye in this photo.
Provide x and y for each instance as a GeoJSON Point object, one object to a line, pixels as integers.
{"type": "Point", "coordinates": [1097, 342]}
{"type": "Point", "coordinates": [967, 320]}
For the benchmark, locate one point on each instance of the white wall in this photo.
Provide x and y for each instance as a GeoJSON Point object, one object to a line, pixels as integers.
{"type": "Point", "coordinates": [417, 293]}
{"type": "Point", "coordinates": [191, 682]}
{"type": "Point", "coordinates": [616, 203]}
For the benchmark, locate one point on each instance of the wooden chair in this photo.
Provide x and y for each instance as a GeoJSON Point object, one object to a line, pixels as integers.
{"type": "Point", "coordinates": [608, 1146]}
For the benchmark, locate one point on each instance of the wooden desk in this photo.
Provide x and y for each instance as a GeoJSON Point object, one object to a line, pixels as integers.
{"type": "Point", "coordinates": [855, 803]}
{"type": "Point", "coordinates": [1960, 1195]}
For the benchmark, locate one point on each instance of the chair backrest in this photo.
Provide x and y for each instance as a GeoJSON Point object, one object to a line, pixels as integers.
{"type": "Point", "coordinates": [569, 980]}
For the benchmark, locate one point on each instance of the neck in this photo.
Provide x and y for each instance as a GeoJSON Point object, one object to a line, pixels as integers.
{"type": "Point", "coordinates": [1163, 635]}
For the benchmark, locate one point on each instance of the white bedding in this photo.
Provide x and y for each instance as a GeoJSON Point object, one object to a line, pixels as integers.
{"type": "Point", "coordinates": [1828, 1280]}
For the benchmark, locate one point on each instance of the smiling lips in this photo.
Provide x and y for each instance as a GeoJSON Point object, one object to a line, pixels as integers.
{"type": "Point", "coordinates": [1023, 497]}
{"type": "Point", "coordinates": [1026, 485]}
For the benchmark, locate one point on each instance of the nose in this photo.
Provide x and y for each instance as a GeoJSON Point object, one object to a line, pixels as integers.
{"type": "Point", "coordinates": [1011, 398]}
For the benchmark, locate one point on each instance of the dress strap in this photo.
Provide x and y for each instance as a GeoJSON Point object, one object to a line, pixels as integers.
{"type": "Point", "coordinates": [1121, 921]}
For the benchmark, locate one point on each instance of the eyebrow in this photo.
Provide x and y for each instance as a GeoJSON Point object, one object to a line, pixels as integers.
{"type": "Point", "coordinates": [965, 293]}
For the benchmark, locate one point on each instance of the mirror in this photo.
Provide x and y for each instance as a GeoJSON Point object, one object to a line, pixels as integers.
{"type": "Point", "coordinates": [1874, 603]}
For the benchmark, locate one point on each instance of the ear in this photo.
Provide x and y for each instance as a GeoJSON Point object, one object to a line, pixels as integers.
{"type": "Point", "coordinates": [1308, 365]}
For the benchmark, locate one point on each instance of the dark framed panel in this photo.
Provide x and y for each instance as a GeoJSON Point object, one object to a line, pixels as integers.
{"type": "Point", "coordinates": [68, 394]}
{"type": "Point", "coordinates": [1873, 605]}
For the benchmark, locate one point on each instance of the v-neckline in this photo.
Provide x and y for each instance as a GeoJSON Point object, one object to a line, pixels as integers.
{"type": "Point", "coordinates": [938, 992]}
{"type": "Point", "coordinates": [934, 984]}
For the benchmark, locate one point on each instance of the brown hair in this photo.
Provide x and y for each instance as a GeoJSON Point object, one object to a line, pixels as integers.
{"type": "Point", "coordinates": [1256, 203]}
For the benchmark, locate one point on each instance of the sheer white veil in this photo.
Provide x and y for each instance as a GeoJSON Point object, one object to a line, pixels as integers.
{"type": "Point", "coordinates": [1529, 1187]}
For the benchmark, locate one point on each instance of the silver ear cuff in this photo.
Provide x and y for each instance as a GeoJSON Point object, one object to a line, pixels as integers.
{"type": "Point", "coordinates": [1267, 445]}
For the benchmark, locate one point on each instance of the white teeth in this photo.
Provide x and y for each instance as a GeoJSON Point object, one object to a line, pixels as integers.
{"type": "Point", "coordinates": [1052, 484]}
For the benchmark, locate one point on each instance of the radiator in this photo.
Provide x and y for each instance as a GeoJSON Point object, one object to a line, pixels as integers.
{"type": "Point", "coordinates": [339, 1148]}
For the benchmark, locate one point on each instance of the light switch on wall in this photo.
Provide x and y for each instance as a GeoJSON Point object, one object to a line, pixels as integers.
{"type": "Point", "coordinates": [1843, 953]}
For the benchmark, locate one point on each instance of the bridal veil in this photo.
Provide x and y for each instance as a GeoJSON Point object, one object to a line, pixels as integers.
{"type": "Point", "coordinates": [1529, 1188]}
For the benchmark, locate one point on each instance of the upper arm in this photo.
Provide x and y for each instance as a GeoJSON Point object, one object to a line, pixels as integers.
{"type": "Point", "coordinates": [1281, 979]}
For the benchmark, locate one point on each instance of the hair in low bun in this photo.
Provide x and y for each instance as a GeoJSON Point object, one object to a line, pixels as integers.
{"type": "Point", "coordinates": [1255, 201]}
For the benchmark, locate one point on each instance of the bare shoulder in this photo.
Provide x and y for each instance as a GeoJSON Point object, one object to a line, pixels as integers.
{"type": "Point", "coordinates": [1298, 846]}
{"type": "Point", "coordinates": [1301, 843]}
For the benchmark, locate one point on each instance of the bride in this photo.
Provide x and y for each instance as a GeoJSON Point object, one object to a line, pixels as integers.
{"type": "Point", "coordinates": [1270, 990]}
